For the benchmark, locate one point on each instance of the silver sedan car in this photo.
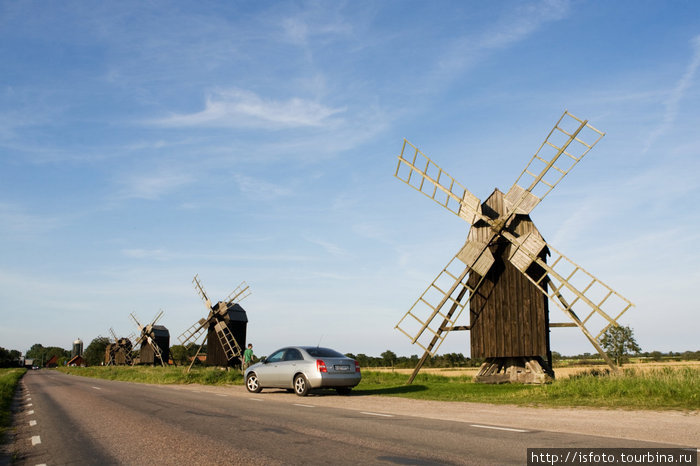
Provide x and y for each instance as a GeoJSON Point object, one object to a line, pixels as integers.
{"type": "Point", "coordinates": [301, 368]}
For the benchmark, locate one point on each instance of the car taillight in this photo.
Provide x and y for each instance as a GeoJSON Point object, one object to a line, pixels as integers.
{"type": "Point", "coordinates": [357, 366]}
{"type": "Point", "coordinates": [321, 366]}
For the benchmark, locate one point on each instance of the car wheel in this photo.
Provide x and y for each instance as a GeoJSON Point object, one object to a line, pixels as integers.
{"type": "Point", "coordinates": [343, 390]}
{"type": "Point", "coordinates": [252, 383]}
{"type": "Point", "coordinates": [301, 385]}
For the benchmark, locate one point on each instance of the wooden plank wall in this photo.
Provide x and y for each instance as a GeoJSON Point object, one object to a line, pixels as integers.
{"type": "Point", "coordinates": [508, 315]}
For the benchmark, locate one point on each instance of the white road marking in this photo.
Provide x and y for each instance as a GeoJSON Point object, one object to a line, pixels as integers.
{"type": "Point", "coordinates": [498, 428]}
{"type": "Point", "coordinates": [220, 394]}
{"type": "Point", "coordinates": [32, 422]}
{"type": "Point", "coordinates": [303, 406]}
{"type": "Point", "coordinates": [29, 398]}
{"type": "Point", "coordinates": [256, 399]}
{"type": "Point", "coordinates": [36, 440]}
{"type": "Point", "coordinates": [30, 412]}
{"type": "Point", "coordinates": [29, 405]}
{"type": "Point", "coordinates": [376, 414]}
{"type": "Point", "coordinates": [96, 388]}
{"type": "Point", "coordinates": [42, 464]}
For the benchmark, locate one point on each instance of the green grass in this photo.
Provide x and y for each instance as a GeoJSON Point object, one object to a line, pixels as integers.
{"type": "Point", "coordinates": [159, 375]}
{"type": "Point", "coordinates": [667, 388]}
{"type": "Point", "coordinates": [9, 378]}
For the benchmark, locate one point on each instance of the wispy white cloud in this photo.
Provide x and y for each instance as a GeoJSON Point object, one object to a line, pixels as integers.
{"type": "Point", "coordinates": [153, 186]}
{"type": "Point", "coordinates": [329, 247]}
{"type": "Point", "coordinates": [16, 220]}
{"type": "Point", "coordinates": [674, 98]}
{"type": "Point", "coordinates": [261, 189]}
{"type": "Point", "coordinates": [241, 108]}
{"type": "Point", "coordinates": [516, 25]}
{"type": "Point", "coordinates": [303, 28]}
{"type": "Point", "coordinates": [157, 254]}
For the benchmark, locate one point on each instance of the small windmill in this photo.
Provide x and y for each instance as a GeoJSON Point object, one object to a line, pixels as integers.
{"type": "Point", "coordinates": [154, 340]}
{"type": "Point", "coordinates": [225, 327]}
{"type": "Point", "coordinates": [502, 270]}
{"type": "Point", "coordinates": [118, 351]}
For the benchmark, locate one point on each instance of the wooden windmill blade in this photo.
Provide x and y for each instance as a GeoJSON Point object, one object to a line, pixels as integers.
{"type": "Point", "coordinates": [239, 294]}
{"type": "Point", "coordinates": [591, 304]}
{"type": "Point", "coordinates": [227, 340]}
{"type": "Point", "coordinates": [566, 144]}
{"type": "Point", "coordinates": [426, 323]}
{"type": "Point", "coordinates": [158, 316]}
{"type": "Point", "coordinates": [193, 333]}
{"type": "Point", "coordinates": [156, 349]}
{"type": "Point", "coordinates": [200, 290]}
{"type": "Point", "coordinates": [422, 174]}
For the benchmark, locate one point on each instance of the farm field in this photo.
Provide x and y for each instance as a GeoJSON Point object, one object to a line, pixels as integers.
{"type": "Point", "coordinates": [561, 372]}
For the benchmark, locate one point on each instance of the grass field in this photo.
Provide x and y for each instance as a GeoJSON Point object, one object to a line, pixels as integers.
{"type": "Point", "coordinates": [9, 378]}
{"type": "Point", "coordinates": [159, 375]}
{"type": "Point", "coordinates": [661, 387]}
{"type": "Point", "coordinates": [665, 388]}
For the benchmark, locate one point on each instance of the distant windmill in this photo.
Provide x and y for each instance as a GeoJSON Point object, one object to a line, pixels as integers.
{"type": "Point", "coordinates": [154, 340]}
{"type": "Point", "coordinates": [502, 272]}
{"type": "Point", "coordinates": [118, 351]}
{"type": "Point", "coordinates": [225, 327]}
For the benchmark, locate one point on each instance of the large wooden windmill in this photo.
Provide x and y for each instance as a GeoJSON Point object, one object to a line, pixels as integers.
{"type": "Point", "coordinates": [502, 273]}
{"type": "Point", "coordinates": [225, 327]}
{"type": "Point", "coordinates": [154, 340]}
{"type": "Point", "coordinates": [118, 351]}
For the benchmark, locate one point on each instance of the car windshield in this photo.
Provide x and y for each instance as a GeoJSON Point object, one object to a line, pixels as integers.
{"type": "Point", "coordinates": [324, 353]}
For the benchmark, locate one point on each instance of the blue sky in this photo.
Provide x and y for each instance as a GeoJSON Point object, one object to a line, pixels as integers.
{"type": "Point", "coordinates": [144, 142]}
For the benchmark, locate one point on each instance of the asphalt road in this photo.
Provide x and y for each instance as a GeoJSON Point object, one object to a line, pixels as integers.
{"type": "Point", "coordinates": [75, 420]}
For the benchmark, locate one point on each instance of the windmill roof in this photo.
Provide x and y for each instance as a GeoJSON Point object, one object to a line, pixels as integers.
{"type": "Point", "coordinates": [237, 314]}
{"type": "Point", "coordinates": [160, 331]}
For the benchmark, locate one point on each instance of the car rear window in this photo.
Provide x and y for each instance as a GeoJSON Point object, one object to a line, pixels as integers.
{"type": "Point", "coordinates": [324, 353]}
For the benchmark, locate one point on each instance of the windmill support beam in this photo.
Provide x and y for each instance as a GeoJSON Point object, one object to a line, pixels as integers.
{"type": "Point", "coordinates": [456, 328]}
{"type": "Point", "coordinates": [197, 354]}
{"type": "Point", "coordinates": [437, 337]}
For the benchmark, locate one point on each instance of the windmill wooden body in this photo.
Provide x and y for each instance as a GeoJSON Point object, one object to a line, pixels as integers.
{"type": "Point", "coordinates": [225, 327]}
{"type": "Point", "coordinates": [118, 351]}
{"type": "Point", "coordinates": [502, 272]}
{"type": "Point", "coordinates": [154, 340]}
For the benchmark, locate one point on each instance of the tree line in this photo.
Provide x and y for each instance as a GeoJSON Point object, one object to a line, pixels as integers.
{"type": "Point", "coordinates": [618, 342]}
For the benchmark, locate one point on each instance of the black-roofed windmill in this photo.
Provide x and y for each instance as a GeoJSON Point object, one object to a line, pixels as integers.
{"type": "Point", "coordinates": [118, 351]}
{"type": "Point", "coordinates": [502, 273]}
{"type": "Point", "coordinates": [154, 340]}
{"type": "Point", "coordinates": [224, 326]}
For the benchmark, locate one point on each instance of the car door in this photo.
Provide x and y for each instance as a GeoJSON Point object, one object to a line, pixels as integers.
{"type": "Point", "coordinates": [268, 373]}
{"type": "Point", "coordinates": [288, 367]}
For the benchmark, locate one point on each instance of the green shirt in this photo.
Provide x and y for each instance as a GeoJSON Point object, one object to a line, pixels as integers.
{"type": "Point", "coordinates": [248, 355]}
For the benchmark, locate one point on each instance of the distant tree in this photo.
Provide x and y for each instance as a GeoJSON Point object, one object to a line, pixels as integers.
{"type": "Point", "coordinates": [179, 354]}
{"type": "Point", "coordinates": [9, 358]}
{"type": "Point", "coordinates": [619, 342]}
{"type": "Point", "coordinates": [36, 352]}
{"type": "Point", "coordinates": [94, 354]}
{"type": "Point", "coordinates": [363, 359]}
{"type": "Point", "coordinates": [388, 357]}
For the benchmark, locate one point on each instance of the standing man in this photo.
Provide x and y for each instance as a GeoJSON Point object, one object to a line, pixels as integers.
{"type": "Point", "coordinates": [248, 356]}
